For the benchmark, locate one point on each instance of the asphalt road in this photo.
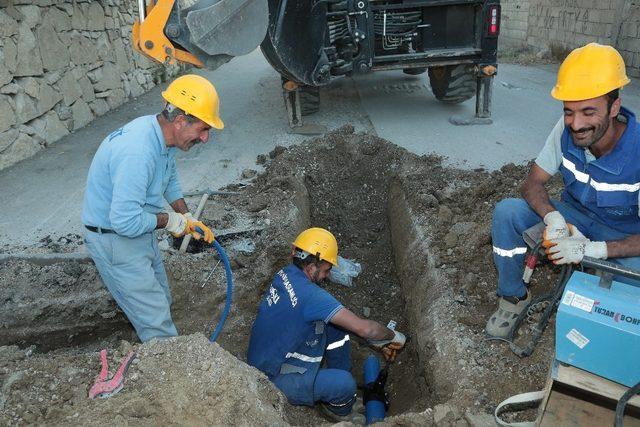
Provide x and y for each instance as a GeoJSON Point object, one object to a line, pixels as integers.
{"type": "Point", "coordinates": [43, 195]}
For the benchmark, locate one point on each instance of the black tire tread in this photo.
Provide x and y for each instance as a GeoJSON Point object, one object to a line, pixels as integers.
{"type": "Point", "coordinates": [309, 100]}
{"type": "Point", "coordinates": [457, 85]}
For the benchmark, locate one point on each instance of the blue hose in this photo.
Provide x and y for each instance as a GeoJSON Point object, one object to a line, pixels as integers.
{"type": "Point", "coordinates": [227, 269]}
{"type": "Point", "coordinates": [227, 305]}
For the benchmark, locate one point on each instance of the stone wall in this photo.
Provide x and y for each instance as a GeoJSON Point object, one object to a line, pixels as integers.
{"type": "Point", "coordinates": [627, 35]}
{"type": "Point", "coordinates": [513, 27]}
{"type": "Point", "coordinates": [559, 26]}
{"type": "Point", "coordinates": [63, 63]}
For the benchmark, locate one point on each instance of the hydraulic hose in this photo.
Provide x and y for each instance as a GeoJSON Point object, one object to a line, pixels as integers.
{"type": "Point", "coordinates": [227, 305]}
{"type": "Point", "coordinates": [552, 299]}
{"type": "Point", "coordinates": [227, 269]}
{"type": "Point", "coordinates": [622, 403]}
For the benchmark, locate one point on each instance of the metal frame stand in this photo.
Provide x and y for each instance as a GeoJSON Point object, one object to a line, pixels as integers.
{"type": "Point", "coordinates": [291, 94]}
{"type": "Point", "coordinates": [483, 97]}
{"type": "Point", "coordinates": [483, 104]}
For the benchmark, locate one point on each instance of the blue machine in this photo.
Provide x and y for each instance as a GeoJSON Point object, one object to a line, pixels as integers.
{"type": "Point", "coordinates": [598, 328]}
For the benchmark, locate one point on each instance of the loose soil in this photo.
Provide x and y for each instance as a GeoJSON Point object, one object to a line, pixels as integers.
{"type": "Point", "coordinates": [421, 232]}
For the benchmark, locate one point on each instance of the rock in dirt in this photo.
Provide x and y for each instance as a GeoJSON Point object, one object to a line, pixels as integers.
{"type": "Point", "coordinates": [480, 420]}
{"type": "Point", "coordinates": [464, 228]}
{"type": "Point", "coordinates": [276, 151]}
{"type": "Point", "coordinates": [443, 414]}
{"type": "Point", "coordinates": [248, 173]}
{"type": "Point", "coordinates": [424, 418]}
{"type": "Point", "coordinates": [257, 205]}
{"type": "Point", "coordinates": [261, 159]}
{"type": "Point", "coordinates": [430, 200]}
{"type": "Point", "coordinates": [451, 240]}
{"type": "Point", "coordinates": [445, 214]}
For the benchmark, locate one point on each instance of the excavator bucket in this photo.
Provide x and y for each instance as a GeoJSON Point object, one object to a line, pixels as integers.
{"type": "Point", "coordinates": [230, 27]}
{"type": "Point", "coordinates": [205, 33]}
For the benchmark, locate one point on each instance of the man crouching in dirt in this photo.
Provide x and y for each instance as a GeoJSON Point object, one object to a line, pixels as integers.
{"type": "Point", "coordinates": [299, 325]}
{"type": "Point", "coordinates": [132, 174]}
{"type": "Point", "coordinates": [596, 148]}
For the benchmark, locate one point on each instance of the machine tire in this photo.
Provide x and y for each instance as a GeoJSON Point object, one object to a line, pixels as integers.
{"type": "Point", "coordinates": [414, 71]}
{"type": "Point", "coordinates": [453, 84]}
{"type": "Point", "coordinates": [309, 100]}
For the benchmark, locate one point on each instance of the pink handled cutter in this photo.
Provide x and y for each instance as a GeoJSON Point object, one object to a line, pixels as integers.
{"type": "Point", "coordinates": [104, 387]}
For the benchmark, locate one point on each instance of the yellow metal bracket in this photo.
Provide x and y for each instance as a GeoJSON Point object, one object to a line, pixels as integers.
{"type": "Point", "coordinates": [149, 38]}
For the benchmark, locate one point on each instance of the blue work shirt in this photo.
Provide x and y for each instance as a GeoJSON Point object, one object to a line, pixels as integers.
{"type": "Point", "coordinates": [285, 329]}
{"type": "Point", "coordinates": [130, 175]}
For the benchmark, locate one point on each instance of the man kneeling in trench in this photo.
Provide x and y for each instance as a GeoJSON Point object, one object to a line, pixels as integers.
{"type": "Point", "coordinates": [300, 325]}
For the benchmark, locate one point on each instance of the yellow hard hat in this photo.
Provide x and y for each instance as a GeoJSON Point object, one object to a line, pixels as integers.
{"type": "Point", "coordinates": [197, 97]}
{"type": "Point", "coordinates": [319, 242]}
{"type": "Point", "coordinates": [588, 72]}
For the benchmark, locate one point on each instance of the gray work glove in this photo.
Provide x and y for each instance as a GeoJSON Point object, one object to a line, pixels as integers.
{"type": "Point", "coordinates": [556, 226]}
{"type": "Point", "coordinates": [572, 249]}
{"type": "Point", "coordinates": [390, 348]}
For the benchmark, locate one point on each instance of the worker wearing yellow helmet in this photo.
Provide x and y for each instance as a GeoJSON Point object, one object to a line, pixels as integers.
{"type": "Point", "coordinates": [595, 146]}
{"type": "Point", "coordinates": [300, 325]}
{"type": "Point", "coordinates": [132, 175]}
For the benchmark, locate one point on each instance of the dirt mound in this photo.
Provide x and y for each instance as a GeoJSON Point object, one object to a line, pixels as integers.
{"type": "Point", "coordinates": [186, 378]}
{"type": "Point", "coordinates": [421, 232]}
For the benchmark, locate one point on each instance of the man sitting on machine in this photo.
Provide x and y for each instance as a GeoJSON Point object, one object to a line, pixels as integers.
{"type": "Point", "coordinates": [596, 147]}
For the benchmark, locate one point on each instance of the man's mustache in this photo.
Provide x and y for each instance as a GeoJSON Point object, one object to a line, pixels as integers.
{"type": "Point", "coordinates": [583, 130]}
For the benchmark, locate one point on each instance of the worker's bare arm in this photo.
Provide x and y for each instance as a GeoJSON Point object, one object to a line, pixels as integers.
{"type": "Point", "coordinates": [534, 192]}
{"type": "Point", "coordinates": [629, 247]}
{"type": "Point", "coordinates": [180, 206]}
{"type": "Point", "coordinates": [162, 219]}
{"type": "Point", "coordinates": [364, 328]}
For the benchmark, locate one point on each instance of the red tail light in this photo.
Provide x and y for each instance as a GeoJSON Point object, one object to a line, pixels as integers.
{"type": "Point", "coordinates": [493, 29]}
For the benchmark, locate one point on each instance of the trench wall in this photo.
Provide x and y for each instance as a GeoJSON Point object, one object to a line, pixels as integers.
{"type": "Point", "coordinates": [558, 26]}
{"type": "Point", "coordinates": [54, 305]}
{"type": "Point", "coordinates": [63, 63]}
{"type": "Point", "coordinates": [420, 279]}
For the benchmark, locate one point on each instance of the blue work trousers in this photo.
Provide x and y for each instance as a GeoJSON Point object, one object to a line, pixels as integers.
{"type": "Point", "coordinates": [132, 270]}
{"type": "Point", "coordinates": [513, 216]}
{"type": "Point", "coordinates": [333, 385]}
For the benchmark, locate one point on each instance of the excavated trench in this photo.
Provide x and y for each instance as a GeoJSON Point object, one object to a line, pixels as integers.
{"type": "Point", "coordinates": [419, 230]}
{"type": "Point", "coordinates": [348, 187]}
